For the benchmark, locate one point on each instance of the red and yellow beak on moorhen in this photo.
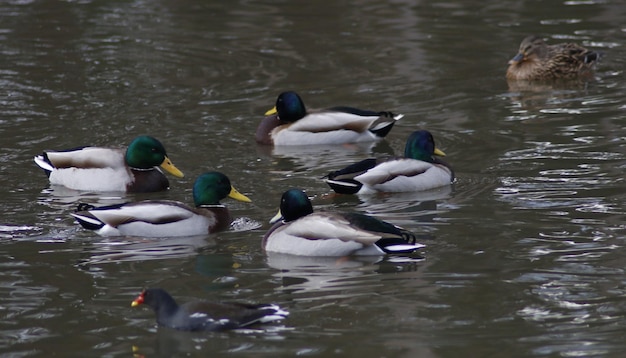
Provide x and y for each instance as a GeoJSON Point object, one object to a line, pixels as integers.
{"type": "Point", "coordinates": [139, 299]}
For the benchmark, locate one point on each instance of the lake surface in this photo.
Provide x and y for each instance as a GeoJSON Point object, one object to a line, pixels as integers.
{"type": "Point", "coordinates": [525, 254]}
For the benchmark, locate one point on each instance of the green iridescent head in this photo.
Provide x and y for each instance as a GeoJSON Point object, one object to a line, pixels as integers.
{"type": "Point", "coordinates": [146, 152]}
{"type": "Point", "coordinates": [421, 146]}
{"type": "Point", "coordinates": [294, 204]}
{"type": "Point", "coordinates": [289, 107]}
{"type": "Point", "coordinates": [211, 187]}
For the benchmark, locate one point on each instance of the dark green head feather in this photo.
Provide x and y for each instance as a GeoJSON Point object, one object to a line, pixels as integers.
{"type": "Point", "coordinates": [420, 145]}
{"type": "Point", "coordinates": [290, 107]}
{"type": "Point", "coordinates": [294, 204]}
{"type": "Point", "coordinates": [145, 152]}
{"type": "Point", "coordinates": [210, 188]}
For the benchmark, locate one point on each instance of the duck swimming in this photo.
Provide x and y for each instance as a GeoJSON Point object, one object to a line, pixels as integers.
{"type": "Point", "coordinates": [134, 170]}
{"type": "Point", "coordinates": [300, 231]}
{"type": "Point", "coordinates": [537, 60]}
{"type": "Point", "coordinates": [420, 169]}
{"type": "Point", "coordinates": [166, 218]}
{"type": "Point", "coordinates": [290, 123]}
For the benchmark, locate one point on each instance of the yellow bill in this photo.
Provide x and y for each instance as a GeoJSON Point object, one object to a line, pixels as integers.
{"type": "Point", "coordinates": [439, 153]}
{"type": "Point", "coordinates": [271, 111]}
{"type": "Point", "coordinates": [238, 196]}
{"type": "Point", "coordinates": [170, 168]}
{"type": "Point", "coordinates": [277, 217]}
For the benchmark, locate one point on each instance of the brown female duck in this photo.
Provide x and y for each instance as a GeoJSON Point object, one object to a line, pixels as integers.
{"type": "Point", "coordinates": [537, 60]}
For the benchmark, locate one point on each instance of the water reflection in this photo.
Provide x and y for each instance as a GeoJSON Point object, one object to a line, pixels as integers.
{"type": "Point", "coordinates": [13, 231]}
{"type": "Point", "coordinates": [399, 208]}
{"type": "Point", "coordinates": [327, 278]}
{"type": "Point", "coordinates": [305, 158]}
{"type": "Point", "coordinates": [554, 186]}
{"type": "Point", "coordinates": [528, 254]}
{"type": "Point", "coordinates": [60, 197]}
{"type": "Point", "coordinates": [171, 343]}
{"type": "Point", "coordinates": [115, 250]}
{"type": "Point", "coordinates": [574, 296]}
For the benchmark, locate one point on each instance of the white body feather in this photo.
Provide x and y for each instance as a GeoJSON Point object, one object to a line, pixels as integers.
{"type": "Point", "coordinates": [284, 243]}
{"type": "Point", "coordinates": [90, 168]}
{"type": "Point", "coordinates": [151, 220]}
{"type": "Point", "coordinates": [93, 157]}
{"type": "Point", "coordinates": [316, 235]}
{"type": "Point", "coordinates": [288, 136]}
{"type": "Point", "coordinates": [410, 175]}
{"type": "Point", "coordinates": [108, 179]}
{"type": "Point", "coordinates": [327, 128]}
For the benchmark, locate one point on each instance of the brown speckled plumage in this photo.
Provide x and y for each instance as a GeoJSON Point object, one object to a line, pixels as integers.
{"type": "Point", "coordinates": [537, 60]}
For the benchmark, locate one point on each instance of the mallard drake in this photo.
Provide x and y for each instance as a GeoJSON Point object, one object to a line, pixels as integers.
{"type": "Point", "coordinates": [419, 170]}
{"type": "Point", "coordinates": [289, 123]}
{"type": "Point", "coordinates": [165, 218]}
{"type": "Point", "coordinates": [204, 315]}
{"type": "Point", "coordinates": [537, 60]}
{"type": "Point", "coordinates": [110, 169]}
{"type": "Point", "coordinates": [300, 231]}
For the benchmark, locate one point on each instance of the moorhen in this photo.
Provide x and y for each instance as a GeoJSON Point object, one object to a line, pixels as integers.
{"type": "Point", "coordinates": [204, 315]}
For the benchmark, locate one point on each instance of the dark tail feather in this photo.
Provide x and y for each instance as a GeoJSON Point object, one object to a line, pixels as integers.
{"type": "Point", "coordinates": [592, 57]}
{"type": "Point", "coordinates": [84, 217]}
{"type": "Point", "coordinates": [84, 207]}
{"type": "Point", "coordinates": [88, 222]}
{"type": "Point", "coordinates": [382, 126]}
{"type": "Point", "coordinates": [44, 163]}
{"type": "Point", "coordinates": [408, 236]}
{"type": "Point", "coordinates": [353, 170]}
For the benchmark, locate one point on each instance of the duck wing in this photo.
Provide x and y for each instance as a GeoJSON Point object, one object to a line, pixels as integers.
{"type": "Point", "coordinates": [394, 239]}
{"type": "Point", "coordinates": [361, 230]}
{"type": "Point", "coordinates": [381, 126]}
{"type": "Point", "coordinates": [343, 180]}
{"type": "Point", "coordinates": [322, 226]}
{"type": "Point", "coordinates": [148, 211]}
{"type": "Point", "coordinates": [84, 158]}
{"type": "Point", "coordinates": [339, 118]}
{"type": "Point", "coordinates": [391, 169]}
{"type": "Point", "coordinates": [571, 52]}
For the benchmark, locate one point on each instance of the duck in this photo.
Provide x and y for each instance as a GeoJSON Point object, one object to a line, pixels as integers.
{"type": "Point", "coordinates": [134, 170]}
{"type": "Point", "coordinates": [297, 230]}
{"type": "Point", "coordinates": [420, 169]}
{"type": "Point", "coordinates": [536, 60]}
{"type": "Point", "coordinates": [166, 218]}
{"type": "Point", "coordinates": [290, 123]}
{"type": "Point", "coordinates": [201, 315]}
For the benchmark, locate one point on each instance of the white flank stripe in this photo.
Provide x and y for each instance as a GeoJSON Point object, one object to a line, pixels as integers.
{"type": "Point", "coordinates": [341, 183]}
{"type": "Point", "coordinates": [403, 247]}
{"type": "Point", "coordinates": [379, 126]}
{"type": "Point", "coordinates": [87, 219]}
{"type": "Point", "coordinates": [198, 315]}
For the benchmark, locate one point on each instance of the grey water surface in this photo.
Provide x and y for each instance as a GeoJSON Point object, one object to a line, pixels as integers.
{"type": "Point", "coordinates": [525, 254]}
